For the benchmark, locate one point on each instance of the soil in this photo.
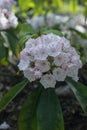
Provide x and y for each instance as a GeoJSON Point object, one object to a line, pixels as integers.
{"type": "Point", "coordinates": [74, 118]}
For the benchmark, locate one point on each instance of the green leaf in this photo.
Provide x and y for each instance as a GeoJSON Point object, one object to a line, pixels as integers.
{"type": "Point", "coordinates": [73, 5]}
{"type": "Point", "coordinates": [25, 5]}
{"type": "Point", "coordinates": [12, 93]}
{"type": "Point", "coordinates": [23, 39]}
{"type": "Point", "coordinates": [58, 3]}
{"type": "Point", "coordinates": [53, 31]}
{"type": "Point", "coordinates": [27, 117]}
{"type": "Point", "coordinates": [11, 40]}
{"type": "Point", "coordinates": [39, 2]}
{"type": "Point", "coordinates": [83, 35]}
{"type": "Point", "coordinates": [26, 29]}
{"type": "Point", "coordinates": [80, 92]}
{"type": "Point", "coordinates": [26, 32]}
{"type": "Point", "coordinates": [49, 114]}
{"type": "Point", "coordinates": [3, 51]}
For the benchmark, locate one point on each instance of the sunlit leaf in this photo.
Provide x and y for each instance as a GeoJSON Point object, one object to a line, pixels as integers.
{"type": "Point", "coordinates": [73, 5]}
{"type": "Point", "coordinates": [25, 5]}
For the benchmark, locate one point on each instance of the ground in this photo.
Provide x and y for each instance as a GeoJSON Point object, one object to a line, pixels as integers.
{"type": "Point", "coordinates": [74, 117]}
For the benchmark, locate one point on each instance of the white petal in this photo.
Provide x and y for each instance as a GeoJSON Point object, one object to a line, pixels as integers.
{"type": "Point", "coordinates": [62, 58]}
{"type": "Point", "coordinates": [29, 43]}
{"type": "Point", "coordinates": [72, 71]}
{"type": "Point", "coordinates": [40, 52]}
{"type": "Point", "coordinates": [23, 64]}
{"type": "Point", "coordinates": [38, 74]}
{"type": "Point", "coordinates": [66, 44]}
{"type": "Point", "coordinates": [48, 81]}
{"type": "Point", "coordinates": [30, 75]}
{"type": "Point", "coordinates": [59, 74]}
{"type": "Point", "coordinates": [54, 49]}
{"type": "Point", "coordinates": [43, 65]}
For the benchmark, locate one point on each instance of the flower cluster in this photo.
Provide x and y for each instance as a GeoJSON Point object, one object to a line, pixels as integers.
{"type": "Point", "coordinates": [49, 58]}
{"type": "Point", "coordinates": [64, 22]}
{"type": "Point", "coordinates": [7, 4]}
{"type": "Point", "coordinates": [7, 19]}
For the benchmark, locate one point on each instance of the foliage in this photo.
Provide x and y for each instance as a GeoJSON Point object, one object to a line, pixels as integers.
{"type": "Point", "coordinates": [80, 92]}
{"type": "Point", "coordinates": [14, 91]}
{"type": "Point", "coordinates": [42, 110]}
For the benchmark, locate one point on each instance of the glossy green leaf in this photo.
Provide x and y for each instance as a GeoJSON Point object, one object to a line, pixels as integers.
{"type": "Point", "coordinates": [27, 117]}
{"type": "Point", "coordinates": [53, 31]}
{"type": "Point", "coordinates": [83, 35]}
{"type": "Point", "coordinates": [12, 93]}
{"type": "Point", "coordinates": [26, 32]}
{"type": "Point", "coordinates": [80, 92]}
{"type": "Point", "coordinates": [49, 114]}
{"type": "Point", "coordinates": [26, 29]}
{"type": "Point", "coordinates": [23, 39]}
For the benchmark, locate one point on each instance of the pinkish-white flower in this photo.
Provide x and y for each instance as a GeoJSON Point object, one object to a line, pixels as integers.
{"type": "Point", "coordinates": [49, 58]}
{"type": "Point", "coordinates": [72, 71]}
{"type": "Point", "coordinates": [40, 52]}
{"type": "Point", "coordinates": [43, 65]}
{"type": "Point", "coordinates": [30, 74]}
{"type": "Point", "coordinates": [62, 58]}
{"type": "Point", "coordinates": [3, 22]}
{"type": "Point", "coordinates": [13, 21]}
{"type": "Point", "coordinates": [23, 65]}
{"type": "Point", "coordinates": [66, 44]}
{"type": "Point", "coordinates": [7, 19]}
{"type": "Point", "coordinates": [52, 37]}
{"type": "Point", "coordinates": [54, 49]}
{"type": "Point", "coordinates": [76, 60]}
{"type": "Point", "coordinates": [29, 43]}
{"type": "Point", "coordinates": [59, 74]}
{"type": "Point", "coordinates": [38, 74]}
{"type": "Point", "coordinates": [48, 81]}
{"type": "Point", "coordinates": [7, 4]}
{"type": "Point", "coordinates": [24, 60]}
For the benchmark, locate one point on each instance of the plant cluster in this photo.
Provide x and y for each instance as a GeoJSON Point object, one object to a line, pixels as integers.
{"type": "Point", "coordinates": [46, 56]}
{"type": "Point", "coordinates": [49, 58]}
